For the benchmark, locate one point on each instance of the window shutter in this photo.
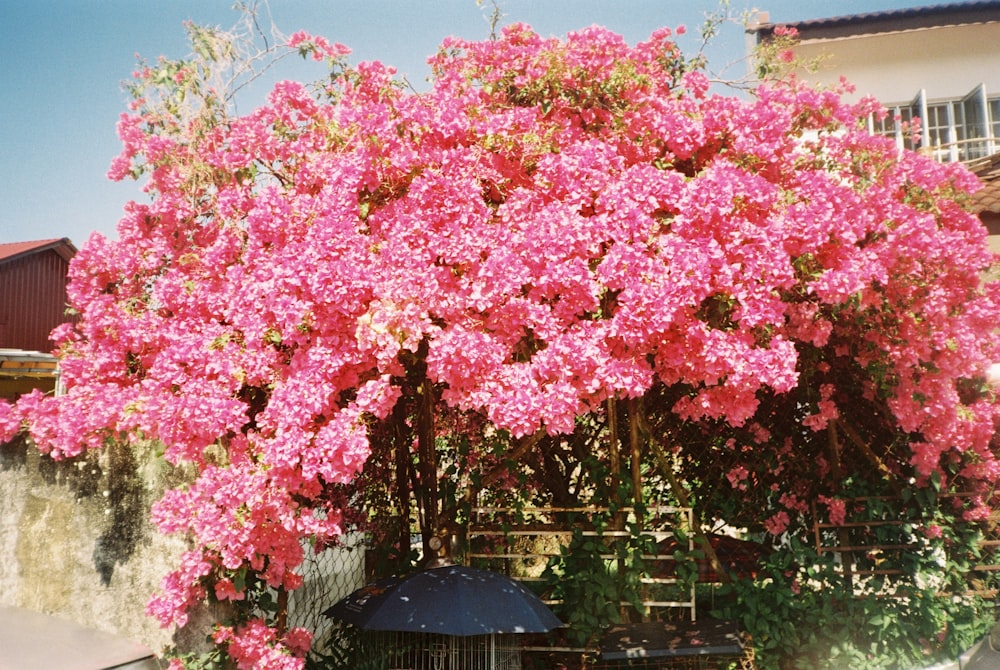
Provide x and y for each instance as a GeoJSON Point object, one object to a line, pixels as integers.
{"type": "Point", "coordinates": [975, 112]}
{"type": "Point", "coordinates": [918, 108]}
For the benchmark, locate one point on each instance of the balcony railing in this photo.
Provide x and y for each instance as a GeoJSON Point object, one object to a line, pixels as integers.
{"type": "Point", "coordinates": [973, 153]}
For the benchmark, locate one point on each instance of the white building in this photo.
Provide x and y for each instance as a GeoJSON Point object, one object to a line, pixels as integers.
{"type": "Point", "coordinates": [940, 63]}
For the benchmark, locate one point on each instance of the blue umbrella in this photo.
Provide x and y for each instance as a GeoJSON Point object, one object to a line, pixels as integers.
{"type": "Point", "coordinates": [448, 600]}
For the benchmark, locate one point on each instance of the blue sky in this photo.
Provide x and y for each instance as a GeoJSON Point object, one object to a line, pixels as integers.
{"type": "Point", "coordinates": [62, 63]}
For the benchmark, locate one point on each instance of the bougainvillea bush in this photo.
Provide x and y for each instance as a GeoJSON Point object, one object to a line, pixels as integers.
{"type": "Point", "coordinates": [552, 226]}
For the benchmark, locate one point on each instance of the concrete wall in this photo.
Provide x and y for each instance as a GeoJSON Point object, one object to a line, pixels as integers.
{"type": "Point", "coordinates": [76, 540]}
{"type": "Point", "coordinates": [947, 62]}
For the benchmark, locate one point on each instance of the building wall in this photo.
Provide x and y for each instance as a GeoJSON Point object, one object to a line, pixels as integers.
{"type": "Point", "coordinates": [947, 62]}
{"type": "Point", "coordinates": [76, 540]}
{"type": "Point", "coordinates": [992, 222]}
{"type": "Point", "coordinates": [32, 301]}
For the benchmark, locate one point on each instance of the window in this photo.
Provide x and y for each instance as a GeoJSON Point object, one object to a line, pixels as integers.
{"type": "Point", "coordinates": [975, 125]}
{"type": "Point", "coordinates": [896, 125]}
{"type": "Point", "coordinates": [964, 129]}
{"type": "Point", "coordinates": [994, 110]}
{"type": "Point", "coordinates": [940, 126]}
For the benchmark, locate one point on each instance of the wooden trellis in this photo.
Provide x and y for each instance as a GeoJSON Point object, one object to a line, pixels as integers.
{"type": "Point", "coordinates": [863, 553]}
{"type": "Point", "coordinates": [519, 542]}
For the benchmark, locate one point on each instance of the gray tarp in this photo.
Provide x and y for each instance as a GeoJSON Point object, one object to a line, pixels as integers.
{"type": "Point", "coordinates": [984, 656]}
{"type": "Point", "coordinates": [33, 641]}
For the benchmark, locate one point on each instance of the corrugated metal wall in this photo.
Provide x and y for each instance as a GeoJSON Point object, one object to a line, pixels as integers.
{"type": "Point", "coordinates": [32, 300]}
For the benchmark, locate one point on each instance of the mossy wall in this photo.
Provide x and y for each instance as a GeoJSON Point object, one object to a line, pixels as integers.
{"type": "Point", "coordinates": [76, 539]}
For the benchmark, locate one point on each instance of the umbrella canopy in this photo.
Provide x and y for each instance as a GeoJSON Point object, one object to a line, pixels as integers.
{"type": "Point", "coordinates": [449, 600]}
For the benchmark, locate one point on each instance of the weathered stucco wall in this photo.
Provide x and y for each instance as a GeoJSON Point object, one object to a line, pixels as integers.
{"type": "Point", "coordinates": [76, 541]}
{"type": "Point", "coordinates": [76, 538]}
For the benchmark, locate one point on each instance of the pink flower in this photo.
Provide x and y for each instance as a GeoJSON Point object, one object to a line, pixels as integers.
{"type": "Point", "coordinates": [225, 590]}
{"type": "Point", "coordinates": [837, 509]}
{"type": "Point", "coordinates": [254, 646]}
{"type": "Point", "coordinates": [827, 410]}
{"type": "Point", "coordinates": [793, 502]}
{"type": "Point", "coordinates": [737, 477]}
{"type": "Point", "coordinates": [298, 640]}
{"type": "Point", "coordinates": [317, 46]}
{"type": "Point", "coordinates": [10, 424]}
{"type": "Point", "coordinates": [777, 523]}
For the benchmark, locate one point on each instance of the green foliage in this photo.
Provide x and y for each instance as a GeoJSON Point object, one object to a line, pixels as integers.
{"type": "Point", "coordinates": [804, 613]}
{"type": "Point", "coordinates": [215, 659]}
{"type": "Point", "coordinates": [347, 648]}
{"type": "Point", "coordinates": [583, 580]}
{"type": "Point", "coordinates": [598, 579]}
{"type": "Point", "coordinates": [686, 565]}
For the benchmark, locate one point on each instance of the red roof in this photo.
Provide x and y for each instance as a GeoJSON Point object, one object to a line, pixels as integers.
{"type": "Point", "coordinates": [61, 245]}
{"type": "Point", "coordinates": [987, 199]}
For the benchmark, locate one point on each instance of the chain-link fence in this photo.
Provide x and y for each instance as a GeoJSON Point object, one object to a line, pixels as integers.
{"type": "Point", "coordinates": [328, 576]}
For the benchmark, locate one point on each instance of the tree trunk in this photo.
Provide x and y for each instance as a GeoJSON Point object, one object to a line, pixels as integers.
{"type": "Point", "coordinates": [426, 450]}
{"type": "Point", "coordinates": [635, 445]}
{"type": "Point", "coordinates": [401, 447]}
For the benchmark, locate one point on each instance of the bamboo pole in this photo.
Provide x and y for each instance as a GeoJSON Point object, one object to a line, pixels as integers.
{"type": "Point", "coordinates": [635, 445]}
{"type": "Point", "coordinates": [866, 450]}
{"type": "Point", "coordinates": [847, 557]}
{"type": "Point", "coordinates": [665, 468]}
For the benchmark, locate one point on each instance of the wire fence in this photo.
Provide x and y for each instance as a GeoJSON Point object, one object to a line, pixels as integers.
{"type": "Point", "coordinates": [328, 576]}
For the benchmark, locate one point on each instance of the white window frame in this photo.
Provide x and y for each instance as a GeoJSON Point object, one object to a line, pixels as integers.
{"type": "Point", "coordinates": [960, 140]}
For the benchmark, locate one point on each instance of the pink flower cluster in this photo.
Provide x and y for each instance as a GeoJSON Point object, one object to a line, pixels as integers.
{"type": "Point", "coordinates": [777, 523]}
{"type": "Point", "coordinates": [558, 222]}
{"type": "Point", "coordinates": [316, 46]}
{"type": "Point", "coordinates": [738, 477]}
{"type": "Point", "coordinates": [837, 509]}
{"type": "Point", "coordinates": [255, 646]}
